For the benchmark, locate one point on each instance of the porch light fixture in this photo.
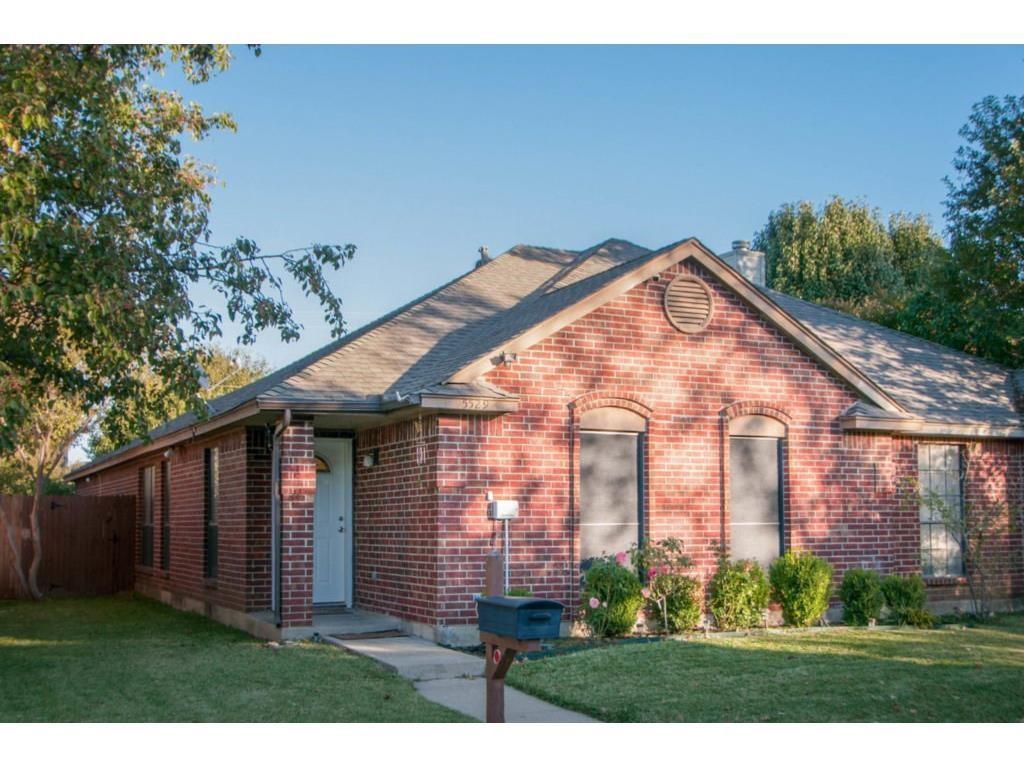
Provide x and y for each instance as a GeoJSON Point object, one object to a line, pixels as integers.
{"type": "Point", "coordinates": [372, 458]}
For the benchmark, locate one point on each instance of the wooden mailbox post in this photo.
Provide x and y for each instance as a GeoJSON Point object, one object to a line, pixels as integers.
{"type": "Point", "coordinates": [542, 618]}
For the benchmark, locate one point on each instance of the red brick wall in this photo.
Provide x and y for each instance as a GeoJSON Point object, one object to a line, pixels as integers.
{"type": "Point", "coordinates": [994, 479]}
{"type": "Point", "coordinates": [840, 488]}
{"type": "Point", "coordinates": [298, 491]}
{"type": "Point", "coordinates": [396, 519]}
{"type": "Point", "coordinates": [185, 576]}
{"type": "Point", "coordinates": [258, 535]}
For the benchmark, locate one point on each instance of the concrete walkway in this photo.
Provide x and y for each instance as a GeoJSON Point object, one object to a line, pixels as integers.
{"type": "Point", "coordinates": [453, 679]}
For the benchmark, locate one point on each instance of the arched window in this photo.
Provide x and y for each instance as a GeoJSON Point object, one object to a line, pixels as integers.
{"type": "Point", "coordinates": [611, 481]}
{"type": "Point", "coordinates": [756, 498]}
{"type": "Point", "coordinates": [322, 465]}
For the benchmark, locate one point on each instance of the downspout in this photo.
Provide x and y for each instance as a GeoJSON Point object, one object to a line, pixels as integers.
{"type": "Point", "coordinates": [275, 516]}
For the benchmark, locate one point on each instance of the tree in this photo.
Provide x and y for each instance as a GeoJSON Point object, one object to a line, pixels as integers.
{"type": "Point", "coordinates": [846, 256]}
{"type": "Point", "coordinates": [104, 229]}
{"type": "Point", "coordinates": [974, 298]}
{"type": "Point", "coordinates": [42, 442]}
{"type": "Point", "coordinates": [223, 372]}
{"type": "Point", "coordinates": [981, 527]}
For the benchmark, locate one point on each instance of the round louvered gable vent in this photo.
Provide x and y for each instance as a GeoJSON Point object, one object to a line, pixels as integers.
{"type": "Point", "coordinates": [688, 304]}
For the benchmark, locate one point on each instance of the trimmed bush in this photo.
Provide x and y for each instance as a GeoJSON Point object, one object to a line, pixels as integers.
{"type": "Point", "coordinates": [904, 596]}
{"type": "Point", "coordinates": [861, 593]}
{"type": "Point", "coordinates": [918, 617]}
{"type": "Point", "coordinates": [673, 601]}
{"type": "Point", "coordinates": [801, 583]}
{"type": "Point", "coordinates": [738, 594]}
{"type": "Point", "coordinates": [672, 598]}
{"type": "Point", "coordinates": [611, 598]}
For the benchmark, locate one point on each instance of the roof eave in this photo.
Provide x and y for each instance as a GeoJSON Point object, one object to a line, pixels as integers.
{"type": "Point", "coordinates": [912, 426]}
{"type": "Point", "coordinates": [240, 413]}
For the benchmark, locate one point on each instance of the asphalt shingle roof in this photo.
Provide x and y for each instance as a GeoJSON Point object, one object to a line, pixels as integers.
{"type": "Point", "coordinates": [418, 346]}
{"type": "Point", "coordinates": [928, 379]}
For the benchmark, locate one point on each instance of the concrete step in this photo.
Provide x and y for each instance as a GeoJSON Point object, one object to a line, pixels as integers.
{"type": "Point", "coordinates": [352, 623]}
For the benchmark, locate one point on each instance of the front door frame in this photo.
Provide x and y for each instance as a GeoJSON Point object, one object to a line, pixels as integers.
{"type": "Point", "coordinates": [342, 464]}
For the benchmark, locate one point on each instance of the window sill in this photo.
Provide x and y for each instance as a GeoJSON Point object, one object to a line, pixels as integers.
{"type": "Point", "coordinates": [945, 581]}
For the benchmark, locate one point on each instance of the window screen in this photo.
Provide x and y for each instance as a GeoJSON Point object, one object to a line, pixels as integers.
{"type": "Point", "coordinates": [941, 478]}
{"type": "Point", "coordinates": [755, 499]}
{"type": "Point", "coordinates": [610, 486]}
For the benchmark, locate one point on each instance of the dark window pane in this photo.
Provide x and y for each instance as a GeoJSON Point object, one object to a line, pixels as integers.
{"type": "Point", "coordinates": [165, 515]}
{"type": "Point", "coordinates": [212, 483]}
{"type": "Point", "coordinates": [146, 555]}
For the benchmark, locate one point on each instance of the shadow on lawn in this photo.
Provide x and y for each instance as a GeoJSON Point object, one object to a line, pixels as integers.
{"type": "Point", "coordinates": [110, 619]}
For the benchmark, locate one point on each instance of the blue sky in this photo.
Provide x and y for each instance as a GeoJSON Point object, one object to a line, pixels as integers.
{"type": "Point", "coordinates": [419, 155]}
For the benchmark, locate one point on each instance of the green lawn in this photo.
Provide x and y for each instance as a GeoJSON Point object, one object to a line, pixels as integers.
{"type": "Point", "coordinates": [948, 674]}
{"type": "Point", "coordinates": [131, 659]}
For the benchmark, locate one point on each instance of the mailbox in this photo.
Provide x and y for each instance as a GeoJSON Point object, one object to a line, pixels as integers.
{"type": "Point", "coordinates": [522, 618]}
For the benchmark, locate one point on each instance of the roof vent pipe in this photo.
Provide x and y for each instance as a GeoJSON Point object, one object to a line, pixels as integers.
{"type": "Point", "coordinates": [485, 257]}
{"type": "Point", "coordinates": [750, 264]}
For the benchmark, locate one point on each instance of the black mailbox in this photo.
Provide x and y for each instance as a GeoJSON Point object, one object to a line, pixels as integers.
{"type": "Point", "coordinates": [523, 618]}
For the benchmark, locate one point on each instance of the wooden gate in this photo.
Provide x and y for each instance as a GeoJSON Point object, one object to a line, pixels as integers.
{"type": "Point", "coordinates": [87, 544]}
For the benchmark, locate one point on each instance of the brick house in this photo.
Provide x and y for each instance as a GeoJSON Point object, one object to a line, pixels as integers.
{"type": "Point", "coordinates": [615, 393]}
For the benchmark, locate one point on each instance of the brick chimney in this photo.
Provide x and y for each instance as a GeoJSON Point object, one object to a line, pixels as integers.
{"type": "Point", "coordinates": [748, 263]}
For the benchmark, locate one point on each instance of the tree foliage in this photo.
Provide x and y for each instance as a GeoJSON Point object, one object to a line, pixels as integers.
{"type": "Point", "coordinates": [845, 255]}
{"type": "Point", "coordinates": [104, 229]}
{"type": "Point", "coordinates": [969, 296]}
{"type": "Point", "coordinates": [974, 298]}
{"type": "Point", "coordinates": [223, 372]}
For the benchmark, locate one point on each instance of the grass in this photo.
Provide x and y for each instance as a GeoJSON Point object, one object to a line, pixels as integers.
{"type": "Point", "coordinates": [135, 660]}
{"type": "Point", "coordinates": [841, 675]}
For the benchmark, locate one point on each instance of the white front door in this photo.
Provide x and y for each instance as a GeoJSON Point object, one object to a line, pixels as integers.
{"type": "Point", "coordinates": [332, 518]}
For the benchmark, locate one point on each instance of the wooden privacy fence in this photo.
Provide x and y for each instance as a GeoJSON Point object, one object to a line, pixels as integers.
{"type": "Point", "coordinates": [87, 544]}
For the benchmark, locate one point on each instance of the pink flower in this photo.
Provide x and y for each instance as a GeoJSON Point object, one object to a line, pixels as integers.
{"type": "Point", "coordinates": [666, 569]}
{"type": "Point", "coordinates": [646, 593]}
{"type": "Point", "coordinates": [652, 572]}
{"type": "Point", "coordinates": [594, 602]}
{"type": "Point", "coordinates": [620, 558]}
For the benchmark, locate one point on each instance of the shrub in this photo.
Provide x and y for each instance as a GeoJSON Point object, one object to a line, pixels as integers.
{"type": "Point", "coordinates": [861, 593]}
{"type": "Point", "coordinates": [904, 596]}
{"type": "Point", "coordinates": [684, 603]}
{"type": "Point", "coordinates": [738, 594]}
{"type": "Point", "coordinates": [918, 617]}
{"type": "Point", "coordinates": [611, 597]}
{"type": "Point", "coordinates": [519, 592]}
{"type": "Point", "coordinates": [671, 597]}
{"type": "Point", "coordinates": [801, 583]}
